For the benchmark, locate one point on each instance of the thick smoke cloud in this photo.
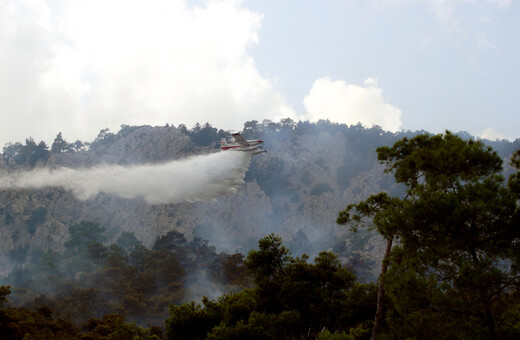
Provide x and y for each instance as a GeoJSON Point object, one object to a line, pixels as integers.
{"type": "Point", "coordinates": [198, 178]}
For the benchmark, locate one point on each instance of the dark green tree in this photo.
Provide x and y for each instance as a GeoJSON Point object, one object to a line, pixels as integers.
{"type": "Point", "coordinates": [455, 267]}
{"type": "Point", "coordinates": [60, 145]}
{"type": "Point", "coordinates": [4, 291]}
{"type": "Point", "coordinates": [79, 145]}
{"type": "Point", "coordinates": [12, 152]}
{"type": "Point", "coordinates": [172, 241]}
{"type": "Point", "coordinates": [83, 233]}
{"type": "Point", "coordinates": [292, 299]}
{"type": "Point", "coordinates": [28, 154]}
{"type": "Point", "coordinates": [252, 130]}
{"type": "Point", "coordinates": [112, 326]}
{"type": "Point", "coordinates": [41, 153]}
{"type": "Point", "coordinates": [97, 251]}
{"type": "Point", "coordinates": [116, 257]}
{"type": "Point", "coordinates": [127, 241]}
{"type": "Point", "coordinates": [182, 128]}
{"type": "Point", "coordinates": [104, 137]}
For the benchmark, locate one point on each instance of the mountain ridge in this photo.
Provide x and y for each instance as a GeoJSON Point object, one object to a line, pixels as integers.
{"type": "Point", "coordinates": [310, 173]}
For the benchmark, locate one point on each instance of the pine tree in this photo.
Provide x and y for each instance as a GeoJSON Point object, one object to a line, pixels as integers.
{"type": "Point", "coordinates": [454, 269]}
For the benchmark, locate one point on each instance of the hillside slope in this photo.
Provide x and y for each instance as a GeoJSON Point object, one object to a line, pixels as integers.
{"type": "Point", "coordinates": [311, 172]}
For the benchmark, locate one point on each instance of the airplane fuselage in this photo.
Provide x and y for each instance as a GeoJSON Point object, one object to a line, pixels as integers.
{"type": "Point", "coordinates": [234, 145]}
{"type": "Point", "coordinates": [241, 144]}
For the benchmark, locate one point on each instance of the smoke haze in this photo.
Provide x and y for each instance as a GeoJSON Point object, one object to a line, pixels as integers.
{"type": "Point", "coordinates": [197, 178]}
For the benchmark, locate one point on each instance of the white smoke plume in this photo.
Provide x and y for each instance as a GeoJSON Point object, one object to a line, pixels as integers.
{"type": "Point", "coordinates": [197, 178]}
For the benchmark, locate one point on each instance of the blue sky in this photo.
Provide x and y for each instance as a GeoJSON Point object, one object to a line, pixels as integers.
{"type": "Point", "coordinates": [453, 67]}
{"type": "Point", "coordinates": [82, 66]}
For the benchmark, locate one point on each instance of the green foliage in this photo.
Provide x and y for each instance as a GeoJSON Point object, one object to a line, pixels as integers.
{"type": "Point", "coordinates": [117, 257]}
{"type": "Point", "coordinates": [11, 152]}
{"type": "Point", "coordinates": [453, 269]}
{"type": "Point", "coordinates": [127, 241]}
{"type": "Point", "coordinates": [229, 270]}
{"type": "Point", "coordinates": [188, 321]}
{"type": "Point", "coordinates": [172, 241]}
{"type": "Point", "coordinates": [79, 146]}
{"type": "Point", "coordinates": [83, 233]}
{"type": "Point", "coordinates": [91, 278]}
{"type": "Point", "coordinates": [104, 138]}
{"type": "Point", "coordinates": [455, 266]}
{"type": "Point", "coordinates": [126, 130]}
{"type": "Point", "coordinates": [259, 326]}
{"type": "Point", "coordinates": [28, 154]}
{"type": "Point", "coordinates": [203, 135]}
{"type": "Point", "coordinates": [60, 145]}
{"type": "Point", "coordinates": [252, 130]}
{"type": "Point", "coordinates": [113, 327]}
{"type": "Point", "coordinates": [292, 299]}
{"type": "Point", "coordinates": [4, 291]}
{"type": "Point", "coordinates": [514, 179]}
{"type": "Point", "coordinates": [40, 323]}
{"type": "Point", "coordinates": [441, 161]}
{"type": "Point", "coordinates": [22, 323]}
{"type": "Point", "coordinates": [97, 251]}
{"type": "Point", "coordinates": [36, 153]}
{"type": "Point", "coordinates": [270, 261]}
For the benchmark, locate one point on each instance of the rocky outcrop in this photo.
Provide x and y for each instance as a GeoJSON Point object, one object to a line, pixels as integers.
{"type": "Point", "coordinates": [297, 186]}
{"type": "Point", "coordinates": [134, 145]}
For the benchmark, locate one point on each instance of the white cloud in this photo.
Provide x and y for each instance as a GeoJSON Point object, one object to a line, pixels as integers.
{"type": "Point", "coordinates": [80, 66]}
{"type": "Point", "coordinates": [347, 103]}
{"type": "Point", "coordinates": [492, 135]}
{"type": "Point", "coordinates": [371, 82]}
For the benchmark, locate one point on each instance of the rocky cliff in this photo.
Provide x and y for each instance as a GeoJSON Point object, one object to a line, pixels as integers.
{"type": "Point", "coordinates": [300, 185]}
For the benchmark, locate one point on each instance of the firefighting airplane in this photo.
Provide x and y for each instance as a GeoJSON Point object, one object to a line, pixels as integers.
{"type": "Point", "coordinates": [241, 144]}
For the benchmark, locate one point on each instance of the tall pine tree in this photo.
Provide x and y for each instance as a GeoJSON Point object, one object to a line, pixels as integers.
{"type": "Point", "coordinates": [453, 272]}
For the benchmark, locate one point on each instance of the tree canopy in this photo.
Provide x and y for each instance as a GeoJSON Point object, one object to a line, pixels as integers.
{"type": "Point", "coordinates": [454, 271]}
{"type": "Point", "coordinates": [292, 299]}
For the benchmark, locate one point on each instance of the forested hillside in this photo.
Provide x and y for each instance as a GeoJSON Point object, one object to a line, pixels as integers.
{"type": "Point", "coordinates": [85, 259]}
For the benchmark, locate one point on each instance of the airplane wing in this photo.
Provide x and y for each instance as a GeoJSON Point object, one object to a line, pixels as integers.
{"type": "Point", "coordinates": [240, 140]}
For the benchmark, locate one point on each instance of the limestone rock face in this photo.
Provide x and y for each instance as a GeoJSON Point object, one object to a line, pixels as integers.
{"type": "Point", "coordinates": [134, 145]}
{"type": "Point", "coordinates": [146, 145]}
{"type": "Point", "coordinates": [299, 185]}
{"type": "Point", "coordinates": [51, 234]}
{"type": "Point", "coordinates": [297, 188]}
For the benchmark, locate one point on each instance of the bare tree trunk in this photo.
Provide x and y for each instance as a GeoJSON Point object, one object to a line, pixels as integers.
{"type": "Point", "coordinates": [381, 290]}
{"type": "Point", "coordinates": [490, 322]}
